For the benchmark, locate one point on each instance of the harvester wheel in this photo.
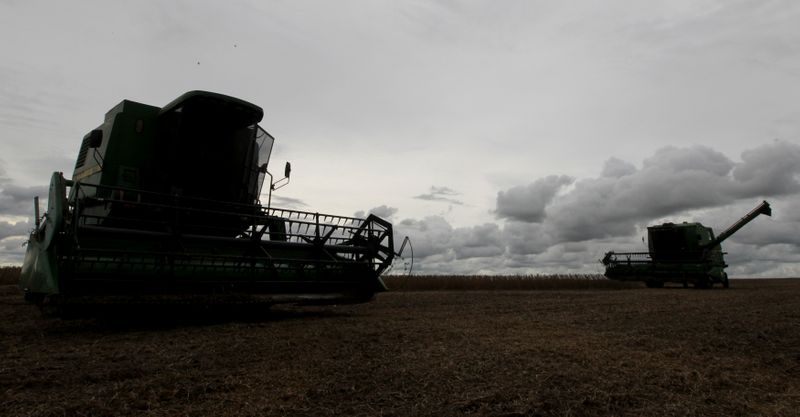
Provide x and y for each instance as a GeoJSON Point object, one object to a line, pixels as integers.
{"type": "Point", "coordinates": [704, 283]}
{"type": "Point", "coordinates": [34, 297]}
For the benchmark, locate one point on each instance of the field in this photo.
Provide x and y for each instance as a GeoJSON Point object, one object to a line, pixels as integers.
{"type": "Point", "coordinates": [555, 351]}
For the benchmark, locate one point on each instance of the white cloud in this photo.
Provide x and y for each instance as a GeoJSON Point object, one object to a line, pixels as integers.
{"type": "Point", "coordinates": [443, 194]}
{"type": "Point", "coordinates": [385, 212]}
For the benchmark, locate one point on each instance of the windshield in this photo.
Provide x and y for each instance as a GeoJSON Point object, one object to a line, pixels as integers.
{"type": "Point", "coordinates": [264, 142]}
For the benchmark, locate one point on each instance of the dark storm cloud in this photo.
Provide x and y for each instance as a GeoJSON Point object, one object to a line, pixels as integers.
{"type": "Point", "coordinates": [444, 194]}
{"type": "Point", "coordinates": [527, 203]}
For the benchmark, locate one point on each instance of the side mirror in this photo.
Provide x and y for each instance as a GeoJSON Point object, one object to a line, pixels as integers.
{"type": "Point", "coordinates": [95, 138]}
{"type": "Point", "coordinates": [287, 170]}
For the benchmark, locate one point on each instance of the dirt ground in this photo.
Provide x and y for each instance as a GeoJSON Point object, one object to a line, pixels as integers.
{"type": "Point", "coordinates": [629, 352]}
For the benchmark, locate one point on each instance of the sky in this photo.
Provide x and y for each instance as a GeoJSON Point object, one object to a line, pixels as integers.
{"type": "Point", "coordinates": [502, 137]}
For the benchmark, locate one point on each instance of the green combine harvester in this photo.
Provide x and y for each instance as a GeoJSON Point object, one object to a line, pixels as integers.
{"type": "Point", "coordinates": [685, 253]}
{"type": "Point", "coordinates": [164, 204]}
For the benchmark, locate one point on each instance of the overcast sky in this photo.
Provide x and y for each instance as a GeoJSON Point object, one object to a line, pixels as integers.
{"type": "Point", "coordinates": [502, 136]}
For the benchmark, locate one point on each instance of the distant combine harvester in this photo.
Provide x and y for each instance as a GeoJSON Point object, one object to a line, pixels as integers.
{"type": "Point", "coordinates": [685, 253]}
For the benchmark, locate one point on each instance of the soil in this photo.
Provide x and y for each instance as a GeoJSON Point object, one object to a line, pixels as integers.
{"type": "Point", "coordinates": [593, 352]}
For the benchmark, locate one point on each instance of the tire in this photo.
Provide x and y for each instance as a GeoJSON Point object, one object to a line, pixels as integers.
{"type": "Point", "coordinates": [704, 283]}
{"type": "Point", "coordinates": [34, 297]}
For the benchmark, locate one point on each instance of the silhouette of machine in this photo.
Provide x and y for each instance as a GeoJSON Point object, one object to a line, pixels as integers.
{"type": "Point", "coordinates": [686, 253]}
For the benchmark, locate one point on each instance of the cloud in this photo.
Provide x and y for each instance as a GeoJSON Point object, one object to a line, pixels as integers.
{"type": "Point", "coordinates": [288, 202]}
{"type": "Point", "coordinates": [481, 241]}
{"type": "Point", "coordinates": [526, 238]}
{"type": "Point", "coordinates": [527, 203]}
{"type": "Point", "coordinates": [430, 235]}
{"type": "Point", "coordinates": [772, 260]}
{"type": "Point", "coordinates": [14, 229]}
{"type": "Point", "coordinates": [671, 181]}
{"type": "Point", "coordinates": [617, 168]}
{"type": "Point", "coordinates": [17, 201]}
{"type": "Point", "coordinates": [384, 212]}
{"type": "Point", "coordinates": [12, 249]}
{"type": "Point", "coordinates": [443, 194]}
{"type": "Point", "coordinates": [435, 240]}
{"type": "Point", "coordinates": [782, 228]}
{"type": "Point", "coordinates": [772, 169]}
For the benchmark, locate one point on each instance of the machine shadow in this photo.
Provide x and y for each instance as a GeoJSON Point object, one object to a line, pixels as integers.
{"type": "Point", "coordinates": [144, 318]}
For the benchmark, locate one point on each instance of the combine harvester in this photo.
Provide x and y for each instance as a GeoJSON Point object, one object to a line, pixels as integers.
{"type": "Point", "coordinates": [164, 204]}
{"type": "Point", "coordinates": [685, 253]}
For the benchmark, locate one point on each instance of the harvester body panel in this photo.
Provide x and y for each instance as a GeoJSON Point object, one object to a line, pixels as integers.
{"type": "Point", "coordinates": [165, 202]}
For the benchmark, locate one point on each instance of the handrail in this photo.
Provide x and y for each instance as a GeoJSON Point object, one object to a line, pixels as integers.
{"type": "Point", "coordinates": [162, 216]}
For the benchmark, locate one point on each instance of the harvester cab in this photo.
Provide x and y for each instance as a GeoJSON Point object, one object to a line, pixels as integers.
{"type": "Point", "coordinates": [686, 253]}
{"type": "Point", "coordinates": [165, 203]}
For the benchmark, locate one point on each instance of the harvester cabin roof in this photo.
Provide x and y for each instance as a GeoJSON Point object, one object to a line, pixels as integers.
{"type": "Point", "coordinates": [670, 225]}
{"type": "Point", "coordinates": [219, 107]}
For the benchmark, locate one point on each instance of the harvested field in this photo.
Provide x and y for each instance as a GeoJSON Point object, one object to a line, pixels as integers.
{"type": "Point", "coordinates": [9, 274]}
{"type": "Point", "coordinates": [630, 352]}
